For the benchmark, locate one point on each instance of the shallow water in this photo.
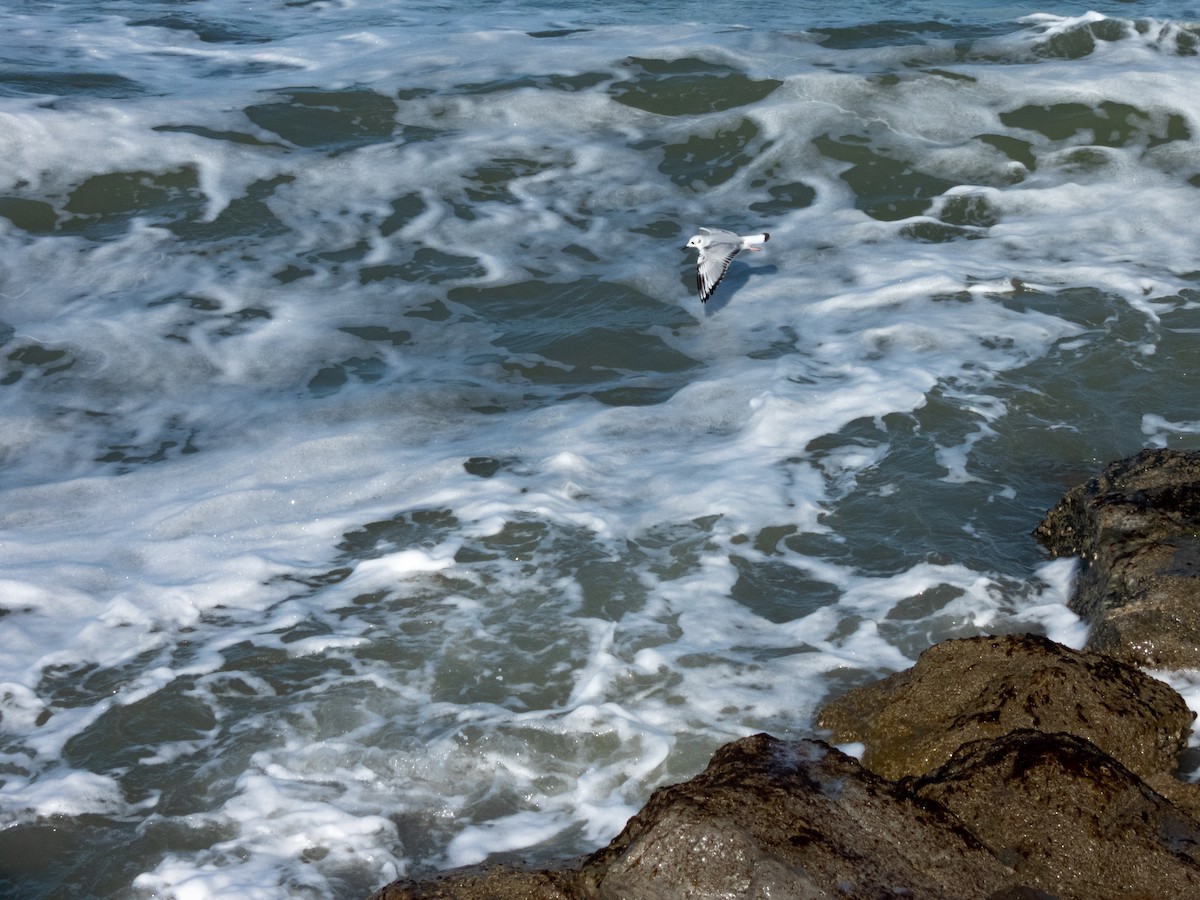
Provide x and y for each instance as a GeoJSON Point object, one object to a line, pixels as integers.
{"type": "Point", "coordinates": [377, 496]}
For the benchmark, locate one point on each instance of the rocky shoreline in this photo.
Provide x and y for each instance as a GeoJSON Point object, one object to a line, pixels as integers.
{"type": "Point", "coordinates": [1136, 526]}
{"type": "Point", "coordinates": [996, 767]}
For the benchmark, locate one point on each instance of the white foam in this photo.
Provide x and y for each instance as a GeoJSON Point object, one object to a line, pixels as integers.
{"type": "Point", "coordinates": [515, 832]}
{"type": "Point", "coordinates": [62, 793]}
{"type": "Point", "coordinates": [1059, 624]}
{"type": "Point", "coordinates": [1160, 431]}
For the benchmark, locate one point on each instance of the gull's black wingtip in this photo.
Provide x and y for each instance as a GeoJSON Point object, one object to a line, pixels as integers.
{"type": "Point", "coordinates": [766, 236]}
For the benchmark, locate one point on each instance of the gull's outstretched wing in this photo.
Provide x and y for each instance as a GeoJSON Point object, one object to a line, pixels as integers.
{"type": "Point", "coordinates": [714, 261]}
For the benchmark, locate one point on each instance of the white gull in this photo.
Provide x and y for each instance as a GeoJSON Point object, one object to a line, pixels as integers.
{"type": "Point", "coordinates": [717, 249]}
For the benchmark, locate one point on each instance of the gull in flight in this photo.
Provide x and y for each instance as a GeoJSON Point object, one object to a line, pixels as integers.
{"type": "Point", "coordinates": [717, 249]}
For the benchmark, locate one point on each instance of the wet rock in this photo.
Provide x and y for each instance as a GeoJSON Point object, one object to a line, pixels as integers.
{"type": "Point", "coordinates": [770, 818]}
{"type": "Point", "coordinates": [997, 768]}
{"type": "Point", "coordinates": [1031, 772]}
{"type": "Point", "coordinates": [767, 818]}
{"type": "Point", "coordinates": [1068, 818]}
{"type": "Point", "coordinates": [979, 688]}
{"type": "Point", "coordinates": [1136, 526]}
{"type": "Point", "coordinates": [487, 883]}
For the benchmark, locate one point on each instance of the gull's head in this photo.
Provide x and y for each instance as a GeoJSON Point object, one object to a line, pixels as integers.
{"type": "Point", "coordinates": [695, 241]}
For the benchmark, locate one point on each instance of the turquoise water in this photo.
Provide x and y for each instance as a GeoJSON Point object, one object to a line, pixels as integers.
{"type": "Point", "coordinates": [377, 496]}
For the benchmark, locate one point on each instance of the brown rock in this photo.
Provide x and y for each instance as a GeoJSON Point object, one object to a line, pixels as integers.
{"type": "Point", "coordinates": [977, 688]}
{"type": "Point", "coordinates": [1069, 819]}
{"type": "Point", "coordinates": [1026, 759]}
{"type": "Point", "coordinates": [1137, 527]}
{"type": "Point", "coordinates": [770, 818]}
{"type": "Point", "coordinates": [1184, 794]}
{"type": "Point", "coordinates": [767, 818]}
{"type": "Point", "coordinates": [487, 883]}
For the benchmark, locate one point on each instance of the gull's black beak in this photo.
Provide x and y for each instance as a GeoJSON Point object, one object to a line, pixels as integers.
{"type": "Point", "coordinates": [685, 247]}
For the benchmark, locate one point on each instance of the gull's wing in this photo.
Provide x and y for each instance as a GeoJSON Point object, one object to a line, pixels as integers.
{"type": "Point", "coordinates": [713, 262]}
{"type": "Point", "coordinates": [720, 234]}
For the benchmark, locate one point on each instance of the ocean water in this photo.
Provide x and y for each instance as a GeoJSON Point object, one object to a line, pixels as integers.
{"type": "Point", "coordinates": [377, 496]}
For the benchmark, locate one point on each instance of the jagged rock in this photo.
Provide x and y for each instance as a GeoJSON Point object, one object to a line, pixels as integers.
{"type": "Point", "coordinates": [1137, 527]}
{"type": "Point", "coordinates": [1183, 794]}
{"type": "Point", "coordinates": [488, 883]}
{"type": "Point", "coordinates": [1027, 770]}
{"type": "Point", "coordinates": [799, 819]}
{"type": "Point", "coordinates": [767, 818]}
{"type": "Point", "coordinates": [976, 688]}
{"type": "Point", "coordinates": [1008, 797]}
{"type": "Point", "coordinates": [1068, 818]}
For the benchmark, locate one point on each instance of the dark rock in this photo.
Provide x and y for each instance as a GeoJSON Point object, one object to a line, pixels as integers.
{"type": "Point", "coordinates": [1009, 797]}
{"type": "Point", "coordinates": [1026, 770]}
{"type": "Point", "coordinates": [767, 818]}
{"type": "Point", "coordinates": [482, 466]}
{"type": "Point", "coordinates": [1068, 818]}
{"type": "Point", "coordinates": [976, 688]}
{"type": "Point", "coordinates": [1183, 794]}
{"type": "Point", "coordinates": [1137, 527]}
{"type": "Point", "coordinates": [770, 818]}
{"type": "Point", "coordinates": [487, 883]}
